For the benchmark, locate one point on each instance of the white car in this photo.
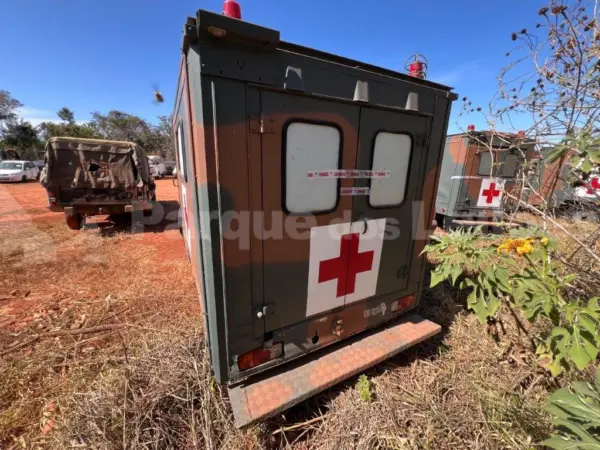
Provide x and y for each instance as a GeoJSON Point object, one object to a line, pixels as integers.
{"type": "Point", "coordinates": [18, 171]}
{"type": "Point", "coordinates": [157, 166]}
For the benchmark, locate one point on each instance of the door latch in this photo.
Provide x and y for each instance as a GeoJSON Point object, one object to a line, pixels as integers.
{"type": "Point", "coordinates": [266, 310]}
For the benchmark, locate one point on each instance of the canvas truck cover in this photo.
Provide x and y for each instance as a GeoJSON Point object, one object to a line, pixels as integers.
{"type": "Point", "coordinates": [94, 164]}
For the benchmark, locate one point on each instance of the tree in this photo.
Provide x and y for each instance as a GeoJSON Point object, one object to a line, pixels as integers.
{"type": "Point", "coordinates": [69, 127]}
{"type": "Point", "coordinates": [21, 135]}
{"type": "Point", "coordinates": [121, 126]}
{"type": "Point", "coordinates": [165, 130]}
{"type": "Point", "coordinates": [552, 84]}
{"type": "Point", "coordinates": [555, 72]}
{"type": "Point", "coordinates": [118, 125]}
{"type": "Point", "coordinates": [66, 115]}
{"type": "Point", "coordinates": [551, 88]}
{"type": "Point", "coordinates": [8, 106]}
{"type": "Point", "coordinates": [51, 129]}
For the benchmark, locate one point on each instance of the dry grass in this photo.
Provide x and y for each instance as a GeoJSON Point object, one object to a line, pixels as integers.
{"type": "Point", "coordinates": [60, 280]}
{"type": "Point", "coordinates": [147, 383]}
{"type": "Point", "coordinates": [152, 389]}
{"type": "Point", "coordinates": [460, 390]}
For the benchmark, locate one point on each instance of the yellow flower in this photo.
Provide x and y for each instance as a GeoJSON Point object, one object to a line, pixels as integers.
{"type": "Point", "coordinates": [521, 246]}
{"type": "Point", "coordinates": [544, 241]}
{"type": "Point", "coordinates": [525, 249]}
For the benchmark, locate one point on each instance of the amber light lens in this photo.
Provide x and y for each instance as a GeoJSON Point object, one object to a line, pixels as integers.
{"type": "Point", "coordinates": [403, 303]}
{"type": "Point", "coordinates": [259, 356]}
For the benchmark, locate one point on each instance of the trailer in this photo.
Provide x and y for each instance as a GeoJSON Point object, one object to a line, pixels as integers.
{"type": "Point", "coordinates": [307, 183]}
{"type": "Point", "coordinates": [478, 169]}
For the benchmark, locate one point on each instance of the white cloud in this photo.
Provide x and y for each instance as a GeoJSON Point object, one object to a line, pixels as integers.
{"type": "Point", "coordinates": [451, 77]}
{"type": "Point", "coordinates": [463, 72]}
{"type": "Point", "coordinates": [36, 115]}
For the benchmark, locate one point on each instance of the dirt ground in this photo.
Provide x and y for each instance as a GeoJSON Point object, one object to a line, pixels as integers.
{"type": "Point", "coordinates": [101, 346]}
{"type": "Point", "coordinates": [23, 210]}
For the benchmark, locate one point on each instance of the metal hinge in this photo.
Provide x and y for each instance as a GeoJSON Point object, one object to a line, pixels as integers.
{"type": "Point", "coordinates": [423, 140]}
{"type": "Point", "coordinates": [402, 272]}
{"type": "Point", "coordinates": [261, 124]}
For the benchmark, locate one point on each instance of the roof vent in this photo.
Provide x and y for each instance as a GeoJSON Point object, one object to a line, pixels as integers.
{"type": "Point", "coordinates": [293, 79]}
{"type": "Point", "coordinates": [412, 102]}
{"type": "Point", "coordinates": [361, 91]}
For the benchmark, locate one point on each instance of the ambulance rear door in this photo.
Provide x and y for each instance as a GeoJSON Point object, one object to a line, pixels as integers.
{"type": "Point", "coordinates": [307, 142]}
{"type": "Point", "coordinates": [392, 149]}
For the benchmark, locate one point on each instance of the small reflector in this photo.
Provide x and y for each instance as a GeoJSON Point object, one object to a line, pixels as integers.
{"type": "Point", "coordinates": [217, 32]}
{"type": "Point", "coordinates": [259, 356]}
{"type": "Point", "coordinates": [51, 199]}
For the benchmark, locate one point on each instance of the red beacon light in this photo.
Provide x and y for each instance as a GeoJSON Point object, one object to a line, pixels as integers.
{"type": "Point", "coordinates": [470, 128]}
{"type": "Point", "coordinates": [418, 67]}
{"type": "Point", "coordinates": [232, 9]}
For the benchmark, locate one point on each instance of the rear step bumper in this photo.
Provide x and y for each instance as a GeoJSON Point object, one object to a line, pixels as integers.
{"type": "Point", "coordinates": [295, 382]}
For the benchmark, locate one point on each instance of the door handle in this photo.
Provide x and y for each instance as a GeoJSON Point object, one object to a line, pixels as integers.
{"type": "Point", "coordinates": [364, 219]}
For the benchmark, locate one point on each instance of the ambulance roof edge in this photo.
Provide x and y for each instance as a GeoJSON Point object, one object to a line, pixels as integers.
{"type": "Point", "coordinates": [234, 30]}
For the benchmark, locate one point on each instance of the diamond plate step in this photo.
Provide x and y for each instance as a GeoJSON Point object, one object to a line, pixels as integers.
{"type": "Point", "coordinates": [295, 382]}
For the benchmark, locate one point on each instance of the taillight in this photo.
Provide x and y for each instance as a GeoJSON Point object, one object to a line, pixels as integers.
{"type": "Point", "coordinates": [51, 198]}
{"type": "Point", "coordinates": [403, 303]}
{"type": "Point", "coordinates": [259, 356]}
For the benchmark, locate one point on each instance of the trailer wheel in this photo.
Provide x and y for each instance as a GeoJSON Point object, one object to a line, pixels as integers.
{"type": "Point", "coordinates": [75, 221]}
{"type": "Point", "coordinates": [439, 219]}
{"type": "Point", "coordinates": [590, 216]}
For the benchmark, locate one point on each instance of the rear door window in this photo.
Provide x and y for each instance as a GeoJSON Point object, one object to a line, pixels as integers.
{"type": "Point", "coordinates": [485, 164]}
{"type": "Point", "coordinates": [391, 152]}
{"type": "Point", "coordinates": [311, 147]}
{"type": "Point", "coordinates": [509, 168]}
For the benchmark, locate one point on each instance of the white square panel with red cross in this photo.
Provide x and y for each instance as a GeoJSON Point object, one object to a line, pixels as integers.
{"type": "Point", "coordinates": [344, 264]}
{"type": "Point", "coordinates": [490, 193]}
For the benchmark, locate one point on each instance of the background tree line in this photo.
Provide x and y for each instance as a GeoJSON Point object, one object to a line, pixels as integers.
{"type": "Point", "coordinates": [117, 125]}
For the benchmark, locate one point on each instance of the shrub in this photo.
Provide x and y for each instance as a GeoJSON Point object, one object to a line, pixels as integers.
{"type": "Point", "coordinates": [521, 273]}
{"type": "Point", "coordinates": [576, 415]}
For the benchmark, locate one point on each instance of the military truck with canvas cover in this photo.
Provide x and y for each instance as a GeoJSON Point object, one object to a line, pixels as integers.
{"type": "Point", "coordinates": [478, 169]}
{"type": "Point", "coordinates": [307, 183]}
{"type": "Point", "coordinates": [87, 177]}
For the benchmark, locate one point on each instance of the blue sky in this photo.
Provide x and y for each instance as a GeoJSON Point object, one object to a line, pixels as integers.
{"type": "Point", "coordinates": [101, 55]}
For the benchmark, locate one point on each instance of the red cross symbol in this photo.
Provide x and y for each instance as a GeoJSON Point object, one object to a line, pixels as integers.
{"type": "Point", "coordinates": [491, 193]}
{"type": "Point", "coordinates": [345, 267]}
{"type": "Point", "coordinates": [594, 185]}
